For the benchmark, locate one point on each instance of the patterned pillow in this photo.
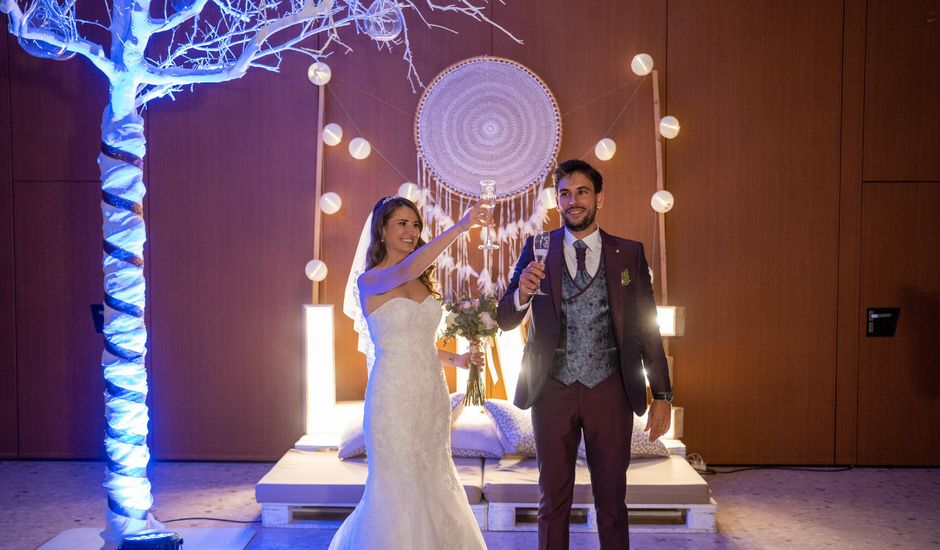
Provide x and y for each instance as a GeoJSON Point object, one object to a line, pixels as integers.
{"type": "Point", "coordinates": [456, 406]}
{"type": "Point", "coordinates": [352, 442]}
{"type": "Point", "coordinates": [474, 435]}
{"type": "Point", "coordinates": [640, 445]}
{"type": "Point", "coordinates": [513, 427]}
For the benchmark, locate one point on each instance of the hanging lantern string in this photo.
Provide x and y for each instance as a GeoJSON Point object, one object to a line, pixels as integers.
{"type": "Point", "coordinates": [358, 131]}
{"type": "Point", "coordinates": [597, 98]}
{"type": "Point", "coordinates": [376, 98]}
{"type": "Point", "coordinates": [620, 114]}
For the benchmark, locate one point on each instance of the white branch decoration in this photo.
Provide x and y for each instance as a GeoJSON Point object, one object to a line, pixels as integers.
{"type": "Point", "coordinates": [208, 41]}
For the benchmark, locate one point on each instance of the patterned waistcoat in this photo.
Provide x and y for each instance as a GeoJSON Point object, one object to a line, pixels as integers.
{"type": "Point", "coordinates": [587, 349]}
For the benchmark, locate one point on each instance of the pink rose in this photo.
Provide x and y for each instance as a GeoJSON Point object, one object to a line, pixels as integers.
{"type": "Point", "coordinates": [488, 321]}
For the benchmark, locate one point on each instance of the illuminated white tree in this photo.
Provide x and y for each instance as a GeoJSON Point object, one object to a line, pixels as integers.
{"type": "Point", "coordinates": [205, 41]}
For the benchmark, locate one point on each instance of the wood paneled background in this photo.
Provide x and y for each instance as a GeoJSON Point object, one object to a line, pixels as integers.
{"type": "Point", "coordinates": [8, 388]}
{"type": "Point", "coordinates": [806, 190]}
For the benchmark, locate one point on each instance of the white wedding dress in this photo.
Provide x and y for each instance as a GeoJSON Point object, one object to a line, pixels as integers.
{"type": "Point", "coordinates": [413, 499]}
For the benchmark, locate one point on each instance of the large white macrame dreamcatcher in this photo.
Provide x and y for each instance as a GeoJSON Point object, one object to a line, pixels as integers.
{"type": "Point", "coordinates": [485, 118]}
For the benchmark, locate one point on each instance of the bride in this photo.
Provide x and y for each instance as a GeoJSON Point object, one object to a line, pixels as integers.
{"type": "Point", "coordinates": [413, 498]}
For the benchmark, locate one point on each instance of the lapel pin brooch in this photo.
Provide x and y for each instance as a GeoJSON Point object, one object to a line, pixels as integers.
{"type": "Point", "coordinates": [625, 277]}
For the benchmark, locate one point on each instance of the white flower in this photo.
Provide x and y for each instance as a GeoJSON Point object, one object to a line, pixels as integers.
{"type": "Point", "coordinates": [451, 318]}
{"type": "Point", "coordinates": [466, 305]}
{"type": "Point", "coordinates": [488, 321]}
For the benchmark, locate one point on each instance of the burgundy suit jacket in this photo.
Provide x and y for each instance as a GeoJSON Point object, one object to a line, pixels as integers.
{"type": "Point", "coordinates": [632, 309]}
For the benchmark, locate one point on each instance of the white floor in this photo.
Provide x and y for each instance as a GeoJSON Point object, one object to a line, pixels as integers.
{"type": "Point", "coordinates": [202, 538]}
{"type": "Point", "coordinates": [865, 508]}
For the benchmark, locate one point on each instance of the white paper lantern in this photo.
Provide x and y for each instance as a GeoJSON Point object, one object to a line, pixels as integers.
{"type": "Point", "coordinates": [330, 203]}
{"type": "Point", "coordinates": [316, 270]}
{"type": "Point", "coordinates": [548, 198]}
{"type": "Point", "coordinates": [332, 134]}
{"type": "Point", "coordinates": [409, 190]}
{"type": "Point", "coordinates": [642, 64]}
{"type": "Point", "coordinates": [319, 73]}
{"type": "Point", "coordinates": [605, 149]}
{"type": "Point", "coordinates": [662, 201]}
{"type": "Point", "coordinates": [669, 127]}
{"type": "Point", "coordinates": [359, 148]}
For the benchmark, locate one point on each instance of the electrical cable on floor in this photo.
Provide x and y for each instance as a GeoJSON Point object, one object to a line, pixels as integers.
{"type": "Point", "coordinates": [698, 464]}
{"type": "Point", "coordinates": [212, 519]}
{"type": "Point", "coordinates": [712, 471]}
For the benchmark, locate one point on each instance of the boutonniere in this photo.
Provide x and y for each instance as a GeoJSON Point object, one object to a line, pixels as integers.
{"type": "Point", "coordinates": [625, 277]}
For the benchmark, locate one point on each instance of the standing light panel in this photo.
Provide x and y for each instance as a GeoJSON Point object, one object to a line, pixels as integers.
{"type": "Point", "coordinates": [320, 370]}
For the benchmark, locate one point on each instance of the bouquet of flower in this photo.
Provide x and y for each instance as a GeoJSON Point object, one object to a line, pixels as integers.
{"type": "Point", "coordinates": [475, 320]}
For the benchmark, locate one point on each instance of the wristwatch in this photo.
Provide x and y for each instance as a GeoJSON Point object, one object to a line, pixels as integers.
{"type": "Point", "coordinates": [663, 396]}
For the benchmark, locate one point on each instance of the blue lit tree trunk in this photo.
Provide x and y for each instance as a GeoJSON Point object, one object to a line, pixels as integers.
{"type": "Point", "coordinates": [125, 347]}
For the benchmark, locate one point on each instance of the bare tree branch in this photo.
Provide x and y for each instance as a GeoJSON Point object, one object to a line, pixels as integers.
{"type": "Point", "coordinates": [93, 52]}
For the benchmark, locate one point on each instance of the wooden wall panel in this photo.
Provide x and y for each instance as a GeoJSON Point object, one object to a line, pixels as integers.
{"type": "Point", "coordinates": [56, 117]}
{"type": "Point", "coordinates": [231, 227]}
{"type": "Point", "coordinates": [902, 106]}
{"type": "Point", "coordinates": [899, 377]}
{"type": "Point", "coordinates": [850, 217]}
{"type": "Point", "coordinates": [754, 233]}
{"type": "Point", "coordinates": [586, 63]}
{"type": "Point", "coordinates": [370, 97]}
{"type": "Point", "coordinates": [8, 418]}
{"type": "Point", "coordinates": [58, 277]}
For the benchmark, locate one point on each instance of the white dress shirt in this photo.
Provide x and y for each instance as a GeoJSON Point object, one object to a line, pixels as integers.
{"type": "Point", "coordinates": [592, 259]}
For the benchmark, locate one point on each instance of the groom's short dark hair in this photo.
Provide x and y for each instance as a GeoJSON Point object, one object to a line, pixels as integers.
{"type": "Point", "coordinates": [571, 166]}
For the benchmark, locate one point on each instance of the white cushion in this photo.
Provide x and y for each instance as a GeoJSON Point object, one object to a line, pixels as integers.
{"type": "Point", "coordinates": [474, 435]}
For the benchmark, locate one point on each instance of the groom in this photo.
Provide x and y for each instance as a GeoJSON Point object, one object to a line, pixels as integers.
{"type": "Point", "coordinates": [589, 340]}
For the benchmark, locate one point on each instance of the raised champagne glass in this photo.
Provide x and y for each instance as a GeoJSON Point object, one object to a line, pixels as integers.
{"type": "Point", "coordinates": [488, 201]}
{"type": "Point", "coordinates": [540, 248]}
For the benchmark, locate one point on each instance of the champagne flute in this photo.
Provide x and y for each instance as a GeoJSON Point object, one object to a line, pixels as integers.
{"type": "Point", "coordinates": [488, 201]}
{"type": "Point", "coordinates": [540, 244]}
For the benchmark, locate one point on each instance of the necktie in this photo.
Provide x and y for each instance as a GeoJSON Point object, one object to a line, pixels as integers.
{"type": "Point", "coordinates": [580, 251]}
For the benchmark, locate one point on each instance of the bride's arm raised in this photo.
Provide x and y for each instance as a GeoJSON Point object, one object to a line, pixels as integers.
{"type": "Point", "coordinates": [379, 281]}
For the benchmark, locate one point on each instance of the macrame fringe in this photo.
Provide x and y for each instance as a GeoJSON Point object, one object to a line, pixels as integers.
{"type": "Point", "coordinates": [518, 217]}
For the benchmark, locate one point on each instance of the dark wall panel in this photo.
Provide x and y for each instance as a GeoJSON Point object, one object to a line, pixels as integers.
{"type": "Point", "coordinates": [902, 106]}
{"type": "Point", "coordinates": [231, 227]}
{"type": "Point", "coordinates": [850, 216]}
{"type": "Point", "coordinates": [56, 117]}
{"type": "Point", "coordinates": [899, 377]}
{"type": "Point", "coordinates": [754, 233]}
{"type": "Point", "coordinates": [8, 418]}
{"type": "Point", "coordinates": [58, 277]}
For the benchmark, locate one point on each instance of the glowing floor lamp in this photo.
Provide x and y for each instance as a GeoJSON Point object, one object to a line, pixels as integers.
{"type": "Point", "coordinates": [320, 379]}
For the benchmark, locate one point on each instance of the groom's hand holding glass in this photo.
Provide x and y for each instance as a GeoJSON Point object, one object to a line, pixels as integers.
{"type": "Point", "coordinates": [530, 280]}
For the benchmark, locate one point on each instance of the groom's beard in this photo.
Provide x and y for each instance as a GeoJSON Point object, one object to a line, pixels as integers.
{"type": "Point", "coordinates": [588, 221]}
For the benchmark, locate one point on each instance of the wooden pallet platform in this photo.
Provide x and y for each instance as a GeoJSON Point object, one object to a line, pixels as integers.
{"type": "Point", "coordinates": [644, 518]}
{"type": "Point", "coordinates": [330, 516]}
